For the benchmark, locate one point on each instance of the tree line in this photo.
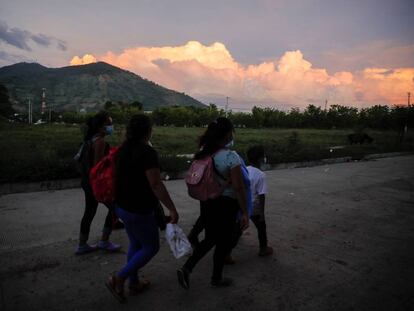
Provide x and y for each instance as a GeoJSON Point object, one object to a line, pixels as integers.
{"type": "Point", "coordinates": [337, 116]}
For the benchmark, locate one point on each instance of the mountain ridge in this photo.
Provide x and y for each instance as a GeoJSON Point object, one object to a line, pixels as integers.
{"type": "Point", "coordinates": [86, 86]}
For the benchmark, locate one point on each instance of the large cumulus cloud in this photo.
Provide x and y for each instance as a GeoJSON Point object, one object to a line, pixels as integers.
{"type": "Point", "coordinates": [289, 81]}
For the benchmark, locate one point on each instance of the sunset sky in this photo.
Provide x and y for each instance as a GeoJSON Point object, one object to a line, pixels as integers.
{"type": "Point", "coordinates": [280, 53]}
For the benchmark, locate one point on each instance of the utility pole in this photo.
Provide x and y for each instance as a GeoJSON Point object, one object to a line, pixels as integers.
{"type": "Point", "coordinates": [50, 112]}
{"type": "Point", "coordinates": [43, 100]}
{"type": "Point", "coordinates": [326, 103]}
{"type": "Point", "coordinates": [30, 115]}
{"type": "Point", "coordinates": [409, 98]}
{"type": "Point", "coordinates": [227, 105]}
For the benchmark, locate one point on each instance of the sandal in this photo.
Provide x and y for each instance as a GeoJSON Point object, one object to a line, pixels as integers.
{"type": "Point", "coordinates": [137, 288]}
{"type": "Point", "coordinates": [118, 293]}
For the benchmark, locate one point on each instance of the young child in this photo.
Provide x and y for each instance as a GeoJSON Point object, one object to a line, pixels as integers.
{"type": "Point", "coordinates": [256, 156]}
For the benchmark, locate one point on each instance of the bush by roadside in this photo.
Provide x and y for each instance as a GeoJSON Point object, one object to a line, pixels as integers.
{"type": "Point", "coordinates": [45, 152]}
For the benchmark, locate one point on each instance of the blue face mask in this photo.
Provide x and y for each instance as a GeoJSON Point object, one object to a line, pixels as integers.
{"type": "Point", "coordinates": [230, 144]}
{"type": "Point", "coordinates": [109, 129]}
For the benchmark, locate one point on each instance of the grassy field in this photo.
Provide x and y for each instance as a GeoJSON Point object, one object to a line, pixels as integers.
{"type": "Point", "coordinates": [45, 152]}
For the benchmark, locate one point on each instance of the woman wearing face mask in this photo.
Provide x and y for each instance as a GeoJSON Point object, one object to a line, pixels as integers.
{"type": "Point", "coordinates": [219, 215]}
{"type": "Point", "coordinates": [139, 190]}
{"type": "Point", "coordinates": [94, 148]}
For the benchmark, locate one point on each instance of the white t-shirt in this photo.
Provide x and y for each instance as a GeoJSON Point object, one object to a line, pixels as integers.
{"type": "Point", "coordinates": [258, 186]}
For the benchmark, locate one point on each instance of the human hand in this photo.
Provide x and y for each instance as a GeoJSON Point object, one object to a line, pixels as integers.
{"type": "Point", "coordinates": [244, 221]}
{"type": "Point", "coordinates": [173, 216]}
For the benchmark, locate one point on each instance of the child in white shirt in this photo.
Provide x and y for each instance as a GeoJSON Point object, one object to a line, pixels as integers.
{"type": "Point", "coordinates": [258, 186]}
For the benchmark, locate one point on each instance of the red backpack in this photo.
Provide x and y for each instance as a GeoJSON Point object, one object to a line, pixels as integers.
{"type": "Point", "coordinates": [202, 180]}
{"type": "Point", "coordinates": [102, 178]}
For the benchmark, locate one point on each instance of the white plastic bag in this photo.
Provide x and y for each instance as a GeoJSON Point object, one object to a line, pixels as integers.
{"type": "Point", "coordinates": [179, 244]}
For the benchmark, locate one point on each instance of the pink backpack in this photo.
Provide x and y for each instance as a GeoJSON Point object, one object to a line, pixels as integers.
{"type": "Point", "coordinates": [202, 180]}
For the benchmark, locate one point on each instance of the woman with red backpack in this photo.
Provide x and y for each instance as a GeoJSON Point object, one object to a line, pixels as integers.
{"type": "Point", "coordinates": [219, 214]}
{"type": "Point", "coordinates": [93, 149]}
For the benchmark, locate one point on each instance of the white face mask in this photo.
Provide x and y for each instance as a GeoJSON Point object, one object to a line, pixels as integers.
{"type": "Point", "coordinates": [264, 160]}
{"type": "Point", "coordinates": [230, 144]}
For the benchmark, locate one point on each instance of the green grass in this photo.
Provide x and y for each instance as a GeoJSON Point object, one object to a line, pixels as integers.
{"type": "Point", "coordinates": [45, 152]}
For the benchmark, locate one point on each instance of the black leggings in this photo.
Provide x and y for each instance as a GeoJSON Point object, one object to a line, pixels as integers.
{"type": "Point", "coordinates": [219, 218]}
{"type": "Point", "coordinates": [258, 221]}
{"type": "Point", "coordinates": [91, 206]}
{"type": "Point", "coordinates": [260, 224]}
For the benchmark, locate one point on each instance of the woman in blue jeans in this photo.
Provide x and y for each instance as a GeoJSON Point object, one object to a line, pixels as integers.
{"type": "Point", "coordinates": [138, 191]}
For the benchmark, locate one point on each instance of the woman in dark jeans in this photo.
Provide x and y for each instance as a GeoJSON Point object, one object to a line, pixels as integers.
{"type": "Point", "coordinates": [94, 148]}
{"type": "Point", "coordinates": [138, 191]}
{"type": "Point", "coordinates": [219, 215]}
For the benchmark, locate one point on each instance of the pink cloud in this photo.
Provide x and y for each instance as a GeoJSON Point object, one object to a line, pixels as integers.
{"type": "Point", "coordinates": [210, 71]}
{"type": "Point", "coordinates": [86, 59]}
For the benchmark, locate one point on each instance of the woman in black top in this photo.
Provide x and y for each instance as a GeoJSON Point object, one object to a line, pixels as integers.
{"type": "Point", "coordinates": [138, 191]}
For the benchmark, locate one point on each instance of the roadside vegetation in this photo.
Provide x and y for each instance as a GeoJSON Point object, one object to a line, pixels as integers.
{"type": "Point", "coordinates": [45, 152]}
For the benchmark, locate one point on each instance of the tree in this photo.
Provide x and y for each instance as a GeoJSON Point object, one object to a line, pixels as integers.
{"type": "Point", "coordinates": [342, 116]}
{"type": "Point", "coordinates": [138, 105]}
{"type": "Point", "coordinates": [314, 116]}
{"type": "Point", "coordinates": [6, 109]}
{"type": "Point", "coordinates": [376, 117]}
{"type": "Point", "coordinates": [108, 105]}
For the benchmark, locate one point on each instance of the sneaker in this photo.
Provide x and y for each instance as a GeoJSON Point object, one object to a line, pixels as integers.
{"type": "Point", "coordinates": [85, 248]}
{"type": "Point", "coordinates": [224, 282]}
{"type": "Point", "coordinates": [183, 278]}
{"type": "Point", "coordinates": [267, 251]}
{"type": "Point", "coordinates": [109, 246]}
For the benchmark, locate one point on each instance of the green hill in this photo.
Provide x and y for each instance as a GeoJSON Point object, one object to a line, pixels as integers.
{"type": "Point", "coordinates": [86, 86]}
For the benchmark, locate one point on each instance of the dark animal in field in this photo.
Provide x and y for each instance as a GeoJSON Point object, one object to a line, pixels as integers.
{"type": "Point", "coordinates": [359, 138]}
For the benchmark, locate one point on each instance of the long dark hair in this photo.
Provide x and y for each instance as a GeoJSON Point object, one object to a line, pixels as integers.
{"type": "Point", "coordinates": [213, 137]}
{"type": "Point", "coordinates": [138, 128]}
{"type": "Point", "coordinates": [95, 123]}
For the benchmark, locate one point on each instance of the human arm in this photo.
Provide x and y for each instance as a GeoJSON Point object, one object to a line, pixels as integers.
{"type": "Point", "coordinates": [236, 179]}
{"type": "Point", "coordinates": [154, 178]}
{"type": "Point", "coordinates": [98, 150]}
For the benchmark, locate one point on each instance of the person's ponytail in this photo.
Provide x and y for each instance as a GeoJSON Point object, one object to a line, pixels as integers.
{"type": "Point", "coordinates": [210, 141]}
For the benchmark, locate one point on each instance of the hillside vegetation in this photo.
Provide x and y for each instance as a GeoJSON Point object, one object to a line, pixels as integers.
{"type": "Point", "coordinates": [88, 86]}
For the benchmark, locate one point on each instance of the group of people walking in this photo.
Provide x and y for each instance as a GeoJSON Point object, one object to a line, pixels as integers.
{"type": "Point", "coordinates": [139, 191]}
